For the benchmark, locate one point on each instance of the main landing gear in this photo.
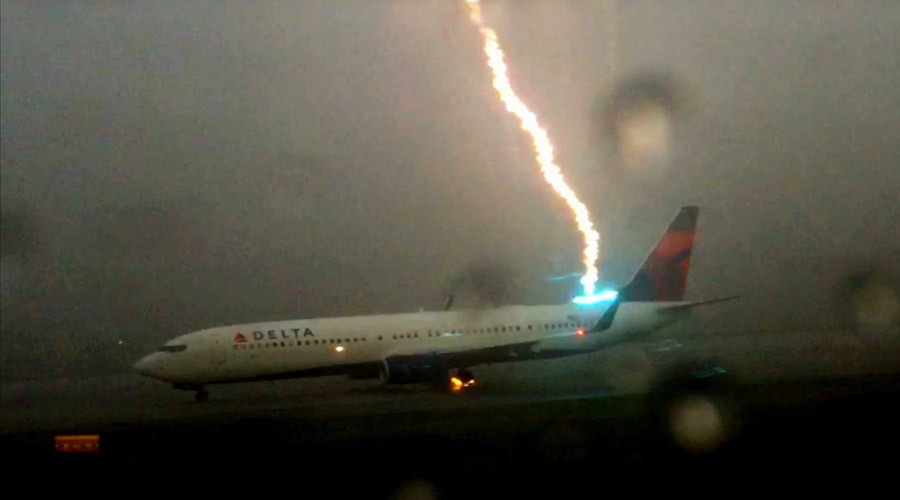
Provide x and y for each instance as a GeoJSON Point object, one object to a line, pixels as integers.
{"type": "Point", "coordinates": [201, 396]}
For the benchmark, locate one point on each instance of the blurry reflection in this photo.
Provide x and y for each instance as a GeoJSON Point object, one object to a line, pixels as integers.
{"type": "Point", "coordinates": [697, 424]}
{"type": "Point", "coordinates": [644, 134]}
{"type": "Point", "coordinates": [868, 301]}
{"type": "Point", "coordinates": [416, 489]}
{"type": "Point", "coordinates": [638, 120]}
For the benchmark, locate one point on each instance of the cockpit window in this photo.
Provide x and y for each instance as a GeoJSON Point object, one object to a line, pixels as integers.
{"type": "Point", "coordinates": [173, 348]}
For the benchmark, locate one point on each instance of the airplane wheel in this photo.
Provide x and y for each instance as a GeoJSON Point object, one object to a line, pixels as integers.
{"type": "Point", "coordinates": [202, 396]}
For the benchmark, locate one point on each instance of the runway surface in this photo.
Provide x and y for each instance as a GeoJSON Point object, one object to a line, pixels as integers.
{"type": "Point", "coordinates": [826, 400]}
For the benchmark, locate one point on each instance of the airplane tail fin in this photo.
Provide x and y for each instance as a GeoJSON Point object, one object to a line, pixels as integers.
{"type": "Point", "coordinates": [663, 276]}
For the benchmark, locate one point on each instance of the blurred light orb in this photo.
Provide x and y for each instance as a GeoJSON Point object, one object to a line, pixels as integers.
{"type": "Point", "coordinates": [645, 134]}
{"type": "Point", "coordinates": [876, 305]}
{"type": "Point", "coordinates": [697, 424]}
{"type": "Point", "coordinates": [868, 302]}
{"type": "Point", "coordinates": [416, 489]}
{"type": "Point", "coordinates": [638, 120]}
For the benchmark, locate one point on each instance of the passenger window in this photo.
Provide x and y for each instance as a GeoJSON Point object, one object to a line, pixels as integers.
{"type": "Point", "coordinates": [529, 327]}
{"type": "Point", "coordinates": [517, 328]}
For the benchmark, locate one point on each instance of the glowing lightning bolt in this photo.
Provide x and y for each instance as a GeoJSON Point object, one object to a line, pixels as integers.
{"type": "Point", "coordinates": [542, 147]}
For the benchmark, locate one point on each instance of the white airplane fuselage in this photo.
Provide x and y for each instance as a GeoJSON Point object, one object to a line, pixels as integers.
{"type": "Point", "coordinates": [422, 346]}
{"type": "Point", "coordinates": [322, 346]}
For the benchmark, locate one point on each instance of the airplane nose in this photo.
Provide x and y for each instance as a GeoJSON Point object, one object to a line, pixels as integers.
{"type": "Point", "coordinates": [144, 366]}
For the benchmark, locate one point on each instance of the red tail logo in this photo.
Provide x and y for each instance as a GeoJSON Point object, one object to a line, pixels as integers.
{"type": "Point", "coordinates": [239, 338]}
{"type": "Point", "coordinates": [663, 277]}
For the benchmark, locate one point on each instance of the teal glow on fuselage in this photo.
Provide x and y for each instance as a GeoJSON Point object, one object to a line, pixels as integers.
{"type": "Point", "coordinates": [604, 296]}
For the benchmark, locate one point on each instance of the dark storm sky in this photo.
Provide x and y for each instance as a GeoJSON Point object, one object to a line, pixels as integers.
{"type": "Point", "coordinates": [169, 166]}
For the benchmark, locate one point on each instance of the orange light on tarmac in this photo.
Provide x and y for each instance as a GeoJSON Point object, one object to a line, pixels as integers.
{"type": "Point", "coordinates": [77, 444]}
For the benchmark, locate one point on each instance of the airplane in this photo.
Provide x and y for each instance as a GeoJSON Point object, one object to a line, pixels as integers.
{"type": "Point", "coordinates": [436, 347]}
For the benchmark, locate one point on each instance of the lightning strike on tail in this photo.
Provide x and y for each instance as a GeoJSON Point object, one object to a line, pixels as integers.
{"type": "Point", "coordinates": [542, 147]}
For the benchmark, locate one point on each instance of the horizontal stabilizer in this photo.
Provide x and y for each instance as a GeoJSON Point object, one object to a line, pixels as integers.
{"type": "Point", "coordinates": [691, 305]}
